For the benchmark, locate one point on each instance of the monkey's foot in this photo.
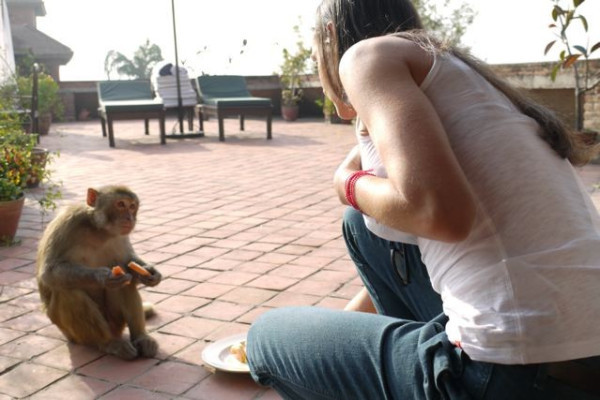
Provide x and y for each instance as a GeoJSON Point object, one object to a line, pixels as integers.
{"type": "Point", "coordinates": [121, 348]}
{"type": "Point", "coordinates": [146, 346]}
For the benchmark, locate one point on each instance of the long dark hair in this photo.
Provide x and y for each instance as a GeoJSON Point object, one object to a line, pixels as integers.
{"type": "Point", "coordinates": [356, 20]}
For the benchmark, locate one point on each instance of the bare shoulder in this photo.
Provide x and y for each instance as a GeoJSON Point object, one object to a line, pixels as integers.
{"type": "Point", "coordinates": [381, 45]}
{"type": "Point", "coordinates": [380, 56]}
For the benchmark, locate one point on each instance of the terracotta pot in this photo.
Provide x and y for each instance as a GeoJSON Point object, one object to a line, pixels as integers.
{"type": "Point", "coordinates": [44, 122]}
{"type": "Point", "coordinates": [38, 158]}
{"type": "Point", "coordinates": [290, 113]}
{"type": "Point", "coordinates": [10, 213]}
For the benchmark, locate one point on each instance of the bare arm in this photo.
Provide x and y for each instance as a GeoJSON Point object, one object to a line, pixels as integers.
{"type": "Point", "coordinates": [350, 164]}
{"type": "Point", "coordinates": [426, 192]}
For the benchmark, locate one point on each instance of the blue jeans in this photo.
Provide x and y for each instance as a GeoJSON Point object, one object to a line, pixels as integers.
{"type": "Point", "coordinates": [403, 352]}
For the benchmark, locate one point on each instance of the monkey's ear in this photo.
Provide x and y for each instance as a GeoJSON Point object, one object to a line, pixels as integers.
{"type": "Point", "coordinates": [92, 196]}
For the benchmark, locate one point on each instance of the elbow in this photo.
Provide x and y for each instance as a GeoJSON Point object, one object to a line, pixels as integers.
{"type": "Point", "coordinates": [449, 221]}
{"type": "Point", "coordinates": [451, 231]}
{"type": "Point", "coordinates": [455, 225]}
{"type": "Point", "coordinates": [46, 276]}
{"type": "Point", "coordinates": [443, 216]}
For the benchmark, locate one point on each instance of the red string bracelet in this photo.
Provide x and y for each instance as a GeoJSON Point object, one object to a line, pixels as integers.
{"type": "Point", "coordinates": [350, 187]}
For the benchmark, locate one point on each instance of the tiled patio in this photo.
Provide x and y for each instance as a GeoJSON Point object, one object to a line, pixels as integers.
{"type": "Point", "coordinates": [235, 227]}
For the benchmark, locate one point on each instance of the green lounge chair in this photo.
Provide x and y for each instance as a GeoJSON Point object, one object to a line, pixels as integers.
{"type": "Point", "coordinates": [227, 95]}
{"type": "Point", "coordinates": [123, 100]}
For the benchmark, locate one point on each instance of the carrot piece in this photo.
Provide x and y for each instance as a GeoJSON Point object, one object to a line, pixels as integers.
{"type": "Point", "coordinates": [138, 268]}
{"type": "Point", "coordinates": [117, 271]}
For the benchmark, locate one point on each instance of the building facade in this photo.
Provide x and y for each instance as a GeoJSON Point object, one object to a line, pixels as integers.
{"type": "Point", "coordinates": [28, 41]}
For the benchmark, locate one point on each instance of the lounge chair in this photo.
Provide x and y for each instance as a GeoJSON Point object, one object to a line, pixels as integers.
{"type": "Point", "coordinates": [123, 100]}
{"type": "Point", "coordinates": [227, 95]}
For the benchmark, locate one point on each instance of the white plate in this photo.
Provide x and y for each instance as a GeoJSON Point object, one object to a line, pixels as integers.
{"type": "Point", "coordinates": [217, 355]}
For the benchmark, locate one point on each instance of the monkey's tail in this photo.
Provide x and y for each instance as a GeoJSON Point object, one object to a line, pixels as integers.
{"type": "Point", "coordinates": [148, 308]}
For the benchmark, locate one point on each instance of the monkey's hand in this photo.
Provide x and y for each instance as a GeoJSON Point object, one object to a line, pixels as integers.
{"type": "Point", "coordinates": [111, 281]}
{"type": "Point", "coordinates": [150, 280]}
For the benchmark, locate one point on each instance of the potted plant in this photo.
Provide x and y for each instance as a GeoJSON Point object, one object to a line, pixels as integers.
{"type": "Point", "coordinates": [21, 165]}
{"type": "Point", "coordinates": [18, 169]}
{"type": "Point", "coordinates": [50, 104]}
{"type": "Point", "coordinates": [292, 69]}
{"type": "Point", "coordinates": [15, 164]}
{"type": "Point", "coordinates": [39, 159]}
{"type": "Point", "coordinates": [290, 103]}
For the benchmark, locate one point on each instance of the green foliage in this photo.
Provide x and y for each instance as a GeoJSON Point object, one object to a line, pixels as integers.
{"type": "Point", "coordinates": [449, 25]}
{"type": "Point", "coordinates": [9, 100]}
{"type": "Point", "coordinates": [26, 64]}
{"type": "Point", "coordinates": [294, 66]}
{"type": "Point", "coordinates": [15, 163]}
{"type": "Point", "coordinates": [49, 101]}
{"type": "Point", "coordinates": [139, 66]}
{"type": "Point", "coordinates": [327, 105]}
{"type": "Point", "coordinates": [564, 19]}
{"type": "Point", "coordinates": [291, 97]}
{"type": "Point", "coordinates": [20, 168]}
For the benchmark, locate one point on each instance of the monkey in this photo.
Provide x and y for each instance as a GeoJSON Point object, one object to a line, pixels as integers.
{"type": "Point", "coordinates": [80, 294]}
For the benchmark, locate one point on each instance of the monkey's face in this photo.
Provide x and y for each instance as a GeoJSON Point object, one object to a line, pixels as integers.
{"type": "Point", "coordinates": [124, 215]}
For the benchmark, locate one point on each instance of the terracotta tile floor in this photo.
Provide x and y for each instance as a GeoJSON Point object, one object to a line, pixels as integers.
{"type": "Point", "coordinates": [236, 228]}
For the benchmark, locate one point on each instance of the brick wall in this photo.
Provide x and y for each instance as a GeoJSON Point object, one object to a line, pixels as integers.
{"type": "Point", "coordinates": [562, 101]}
{"type": "Point", "coordinates": [592, 109]}
{"type": "Point", "coordinates": [559, 94]}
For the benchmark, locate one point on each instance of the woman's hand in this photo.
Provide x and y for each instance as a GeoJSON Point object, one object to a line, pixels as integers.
{"type": "Point", "coordinates": [350, 165]}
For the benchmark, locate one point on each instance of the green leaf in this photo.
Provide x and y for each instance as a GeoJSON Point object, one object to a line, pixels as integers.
{"type": "Point", "coordinates": [554, 72]}
{"type": "Point", "coordinates": [563, 55]}
{"type": "Point", "coordinates": [584, 22]}
{"type": "Point", "coordinates": [555, 12]}
{"type": "Point", "coordinates": [595, 47]}
{"type": "Point", "coordinates": [581, 49]}
{"type": "Point", "coordinates": [577, 3]}
{"type": "Point", "coordinates": [549, 46]}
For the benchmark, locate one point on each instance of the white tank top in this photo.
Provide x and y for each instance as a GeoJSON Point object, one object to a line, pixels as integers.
{"type": "Point", "coordinates": [524, 287]}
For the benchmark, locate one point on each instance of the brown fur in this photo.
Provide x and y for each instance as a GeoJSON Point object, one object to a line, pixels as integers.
{"type": "Point", "coordinates": [79, 293]}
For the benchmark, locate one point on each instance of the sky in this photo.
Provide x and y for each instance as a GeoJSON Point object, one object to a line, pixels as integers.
{"type": "Point", "coordinates": [210, 32]}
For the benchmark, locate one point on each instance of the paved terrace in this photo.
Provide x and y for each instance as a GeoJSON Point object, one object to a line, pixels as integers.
{"type": "Point", "coordinates": [235, 227]}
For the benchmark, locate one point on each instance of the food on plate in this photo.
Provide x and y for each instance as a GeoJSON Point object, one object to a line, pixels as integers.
{"type": "Point", "coordinates": [238, 350]}
{"type": "Point", "coordinates": [138, 268]}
